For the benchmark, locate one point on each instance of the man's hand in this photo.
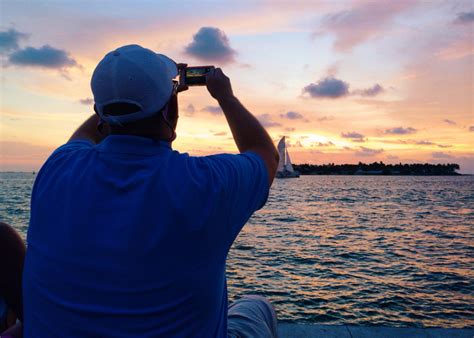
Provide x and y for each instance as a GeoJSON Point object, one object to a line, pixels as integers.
{"type": "Point", "coordinates": [89, 130]}
{"type": "Point", "coordinates": [218, 85]}
{"type": "Point", "coordinates": [182, 86]}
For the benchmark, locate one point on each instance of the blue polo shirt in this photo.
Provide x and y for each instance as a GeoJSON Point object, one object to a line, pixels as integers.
{"type": "Point", "coordinates": [129, 238]}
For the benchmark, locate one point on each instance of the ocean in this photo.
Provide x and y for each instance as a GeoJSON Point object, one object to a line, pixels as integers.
{"type": "Point", "coordinates": [378, 250]}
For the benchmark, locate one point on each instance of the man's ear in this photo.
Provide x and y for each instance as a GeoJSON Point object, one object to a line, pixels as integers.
{"type": "Point", "coordinates": [173, 111]}
{"type": "Point", "coordinates": [103, 127]}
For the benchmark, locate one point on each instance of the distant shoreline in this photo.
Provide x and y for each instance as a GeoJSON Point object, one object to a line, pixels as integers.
{"type": "Point", "coordinates": [380, 169]}
{"type": "Point", "coordinates": [337, 174]}
{"type": "Point", "coordinates": [303, 174]}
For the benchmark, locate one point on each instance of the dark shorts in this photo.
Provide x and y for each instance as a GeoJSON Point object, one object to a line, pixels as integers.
{"type": "Point", "coordinates": [251, 316]}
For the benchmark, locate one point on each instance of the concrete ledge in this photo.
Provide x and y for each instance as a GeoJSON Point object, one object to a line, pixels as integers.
{"type": "Point", "coordinates": [351, 331]}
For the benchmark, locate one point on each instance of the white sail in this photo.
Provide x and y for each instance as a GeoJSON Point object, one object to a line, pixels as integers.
{"type": "Point", "coordinates": [285, 168]}
{"type": "Point", "coordinates": [282, 153]}
{"type": "Point", "coordinates": [288, 165]}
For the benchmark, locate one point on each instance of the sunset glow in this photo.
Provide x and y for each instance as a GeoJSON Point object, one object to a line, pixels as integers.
{"type": "Point", "coordinates": [345, 81]}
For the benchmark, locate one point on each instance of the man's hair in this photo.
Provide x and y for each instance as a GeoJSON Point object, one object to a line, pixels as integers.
{"type": "Point", "coordinates": [124, 108]}
{"type": "Point", "coordinates": [120, 108]}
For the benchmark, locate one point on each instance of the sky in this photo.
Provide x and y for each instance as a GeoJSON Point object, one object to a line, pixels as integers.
{"type": "Point", "coordinates": [344, 81]}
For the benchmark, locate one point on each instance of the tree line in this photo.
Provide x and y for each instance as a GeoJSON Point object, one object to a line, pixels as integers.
{"type": "Point", "coordinates": [377, 168]}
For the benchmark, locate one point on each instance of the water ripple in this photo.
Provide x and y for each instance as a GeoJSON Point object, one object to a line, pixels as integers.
{"type": "Point", "coordinates": [395, 251]}
{"type": "Point", "coordinates": [362, 250]}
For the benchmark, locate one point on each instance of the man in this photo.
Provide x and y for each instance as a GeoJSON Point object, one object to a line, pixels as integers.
{"type": "Point", "coordinates": [129, 238]}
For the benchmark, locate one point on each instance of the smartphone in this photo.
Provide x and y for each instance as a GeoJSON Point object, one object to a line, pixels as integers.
{"type": "Point", "coordinates": [196, 76]}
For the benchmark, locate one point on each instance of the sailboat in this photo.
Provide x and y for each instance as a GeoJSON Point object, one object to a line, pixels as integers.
{"type": "Point", "coordinates": [285, 169]}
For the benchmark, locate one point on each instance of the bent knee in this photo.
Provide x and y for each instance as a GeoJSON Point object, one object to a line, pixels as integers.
{"type": "Point", "coordinates": [257, 298]}
{"type": "Point", "coordinates": [9, 237]}
{"type": "Point", "coordinates": [254, 302]}
{"type": "Point", "coordinates": [6, 230]}
{"type": "Point", "coordinates": [4, 225]}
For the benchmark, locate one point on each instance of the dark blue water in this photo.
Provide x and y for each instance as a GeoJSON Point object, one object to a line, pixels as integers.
{"type": "Point", "coordinates": [376, 250]}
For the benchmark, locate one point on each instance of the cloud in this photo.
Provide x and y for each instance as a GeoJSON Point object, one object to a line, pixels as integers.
{"type": "Point", "coordinates": [325, 118]}
{"type": "Point", "coordinates": [321, 144]}
{"type": "Point", "coordinates": [364, 21]}
{"type": "Point", "coordinates": [400, 131]}
{"type": "Point", "coordinates": [296, 144]}
{"type": "Point", "coordinates": [87, 101]}
{"type": "Point", "coordinates": [9, 40]}
{"type": "Point", "coordinates": [221, 133]}
{"type": "Point", "coordinates": [45, 57]}
{"type": "Point", "coordinates": [211, 44]}
{"type": "Point", "coordinates": [424, 143]}
{"type": "Point", "coordinates": [352, 135]}
{"type": "Point", "coordinates": [395, 141]}
{"type": "Point", "coordinates": [328, 87]}
{"type": "Point", "coordinates": [189, 110]}
{"type": "Point", "coordinates": [214, 110]}
{"type": "Point", "coordinates": [355, 137]}
{"type": "Point", "coordinates": [471, 128]}
{"type": "Point", "coordinates": [440, 154]}
{"type": "Point", "coordinates": [290, 129]}
{"type": "Point", "coordinates": [291, 115]}
{"type": "Point", "coordinates": [333, 69]}
{"type": "Point", "coordinates": [15, 156]}
{"type": "Point", "coordinates": [368, 151]}
{"type": "Point", "coordinates": [375, 90]}
{"type": "Point", "coordinates": [449, 122]}
{"type": "Point", "coordinates": [392, 157]}
{"type": "Point", "coordinates": [458, 48]}
{"type": "Point", "coordinates": [266, 121]}
{"type": "Point", "coordinates": [464, 17]}
{"type": "Point", "coordinates": [417, 142]}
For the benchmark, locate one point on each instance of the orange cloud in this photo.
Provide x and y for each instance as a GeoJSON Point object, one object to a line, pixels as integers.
{"type": "Point", "coordinates": [364, 21]}
{"type": "Point", "coordinates": [22, 156]}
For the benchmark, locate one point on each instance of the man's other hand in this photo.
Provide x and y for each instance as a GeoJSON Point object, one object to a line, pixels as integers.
{"type": "Point", "coordinates": [218, 85]}
{"type": "Point", "coordinates": [182, 86]}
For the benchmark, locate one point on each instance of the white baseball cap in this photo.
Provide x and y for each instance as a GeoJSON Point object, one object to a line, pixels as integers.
{"type": "Point", "coordinates": [136, 75]}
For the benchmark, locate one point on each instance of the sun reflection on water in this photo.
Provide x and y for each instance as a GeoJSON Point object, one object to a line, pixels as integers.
{"type": "Point", "coordinates": [395, 251]}
{"type": "Point", "coordinates": [362, 250]}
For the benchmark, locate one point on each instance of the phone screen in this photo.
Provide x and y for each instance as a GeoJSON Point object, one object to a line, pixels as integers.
{"type": "Point", "coordinates": [196, 76]}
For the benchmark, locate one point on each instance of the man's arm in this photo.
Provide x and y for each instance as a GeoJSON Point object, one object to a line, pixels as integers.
{"type": "Point", "coordinates": [88, 130]}
{"type": "Point", "coordinates": [248, 133]}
